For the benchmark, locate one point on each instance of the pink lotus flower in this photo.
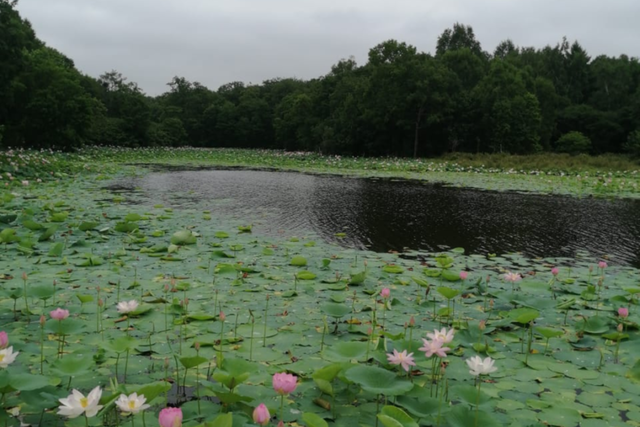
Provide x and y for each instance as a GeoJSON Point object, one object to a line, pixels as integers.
{"type": "Point", "coordinates": [261, 415]}
{"type": "Point", "coordinates": [170, 417]}
{"type": "Point", "coordinates": [602, 264]}
{"type": "Point", "coordinates": [623, 312]}
{"type": "Point", "coordinates": [284, 383]}
{"type": "Point", "coordinates": [222, 316]}
{"type": "Point", "coordinates": [443, 335]}
{"type": "Point", "coordinates": [434, 347]}
{"type": "Point", "coordinates": [59, 314]}
{"type": "Point", "coordinates": [512, 277]}
{"type": "Point", "coordinates": [384, 293]}
{"type": "Point", "coordinates": [403, 359]}
{"type": "Point", "coordinates": [464, 275]}
{"type": "Point", "coordinates": [555, 271]}
{"type": "Point", "coordinates": [4, 340]}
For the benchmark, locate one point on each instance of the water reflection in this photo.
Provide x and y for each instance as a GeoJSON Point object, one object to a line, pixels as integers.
{"type": "Point", "coordinates": [385, 215]}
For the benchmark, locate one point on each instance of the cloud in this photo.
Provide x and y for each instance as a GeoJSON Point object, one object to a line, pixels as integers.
{"type": "Point", "coordinates": [215, 42]}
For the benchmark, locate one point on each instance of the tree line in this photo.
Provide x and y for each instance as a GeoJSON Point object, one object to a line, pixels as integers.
{"type": "Point", "coordinates": [402, 102]}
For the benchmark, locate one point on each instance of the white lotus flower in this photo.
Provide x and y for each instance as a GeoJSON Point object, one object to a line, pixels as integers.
{"type": "Point", "coordinates": [481, 367]}
{"type": "Point", "coordinates": [125, 307]}
{"type": "Point", "coordinates": [76, 404]}
{"type": "Point", "coordinates": [132, 404]}
{"type": "Point", "coordinates": [7, 356]}
{"type": "Point", "coordinates": [444, 335]}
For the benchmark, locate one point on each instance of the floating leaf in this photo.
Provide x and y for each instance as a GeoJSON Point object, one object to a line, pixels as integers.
{"type": "Point", "coordinates": [183, 237]}
{"type": "Point", "coordinates": [305, 275]}
{"type": "Point", "coordinates": [313, 420]}
{"type": "Point", "coordinates": [392, 416]}
{"type": "Point", "coordinates": [298, 261]}
{"type": "Point", "coordinates": [392, 269]}
{"type": "Point", "coordinates": [378, 381]}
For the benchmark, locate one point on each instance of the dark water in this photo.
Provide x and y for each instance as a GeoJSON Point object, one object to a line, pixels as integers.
{"type": "Point", "coordinates": [384, 215]}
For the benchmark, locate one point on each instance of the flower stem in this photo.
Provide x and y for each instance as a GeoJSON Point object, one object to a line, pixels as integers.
{"type": "Point", "coordinates": [26, 304]}
{"type": "Point", "coordinates": [264, 334]}
{"type": "Point", "coordinates": [478, 400]}
{"type": "Point", "coordinates": [282, 407]}
{"type": "Point", "coordinates": [253, 324]}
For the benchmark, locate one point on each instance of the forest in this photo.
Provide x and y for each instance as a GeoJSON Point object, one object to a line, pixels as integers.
{"type": "Point", "coordinates": [402, 102]}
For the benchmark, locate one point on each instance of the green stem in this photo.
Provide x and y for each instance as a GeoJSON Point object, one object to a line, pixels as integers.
{"type": "Point", "coordinates": [26, 304]}
{"type": "Point", "coordinates": [282, 408]}
{"type": "Point", "coordinates": [264, 334]}
{"type": "Point", "coordinates": [126, 366]}
{"type": "Point", "coordinates": [478, 400]}
{"type": "Point", "coordinates": [221, 338]}
{"type": "Point", "coordinates": [324, 330]}
{"type": "Point", "coordinates": [253, 324]}
{"type": "Point", "coordinates": [42, 349]}
{"type": "Point", "coordinates": [526, 358]}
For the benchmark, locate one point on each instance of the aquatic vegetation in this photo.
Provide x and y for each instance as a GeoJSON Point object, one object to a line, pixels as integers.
{"type": "Point", "coordinates": [339, 332]}
{"type": "Point", "coordinates": [603, 176]}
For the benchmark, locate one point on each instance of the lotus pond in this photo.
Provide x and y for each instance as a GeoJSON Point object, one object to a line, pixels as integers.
{"type": "Point", "coordinates": [219, 308]}
{"type": "Point", "coordinates": [384, 214]}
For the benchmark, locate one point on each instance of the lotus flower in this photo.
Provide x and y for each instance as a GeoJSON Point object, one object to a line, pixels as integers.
{"type": "Point", "coordinates": [555, 271]}
{"type": "Point", "coordinates": [284, 383]}
{"type": "Point", "coordinates": [4, 340]}
{"type": "Point", "coordinates": [125, 307]}
{"type": "Point", "coordinates": [464, 275]}
{"type": "Point", "coordinates": [434, 347]}
{"type": "Point", "coordinates": [384, 293]}
{"type": "Point", "coordinates": [444, 335]}
{"type": "Point", "coordinates": [170, 417]}
{"type": "Point", "coordinates": [623, 312]}
{"type": "Point", "coordinates": [7, 356]}
{"type": "Point", "coordinates": [512, 277]}
{"type": "Point", "coordinates": [76, 404]}
{"type": "Point", "coordinates": [59, 314]}
{"type": "Point", "coordinates": [602, 264]}
{"type": "Point", "coordinates": [261, 415]}
{"type": "Point", "coordinates": [481, 367]}
{"type": "Point", "coordinates": [132, 404]}
{"type": "Point", "coordinates": [403, 359]}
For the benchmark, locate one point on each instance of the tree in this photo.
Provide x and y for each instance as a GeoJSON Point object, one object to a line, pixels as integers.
{"type": "Point", "coordinates": [459, 37]}
{"type": "Point", "coordinates": [128, 115]}
{"type": "Point", "coordinates": [54, 108]}
{"type": "Point", "coordinates": [506, 49]}
{"type": "Point", "coordinates": [511, 114]}
{"type": "Point", "coordinates": [573, 143]}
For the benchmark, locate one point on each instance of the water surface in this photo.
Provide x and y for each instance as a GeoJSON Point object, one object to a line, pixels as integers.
{"type": "Point", "coordinates": [383, 215]}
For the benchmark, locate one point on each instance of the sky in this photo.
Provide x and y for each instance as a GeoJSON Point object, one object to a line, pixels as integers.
{"type": "Point", "coordinates": [216, 42]}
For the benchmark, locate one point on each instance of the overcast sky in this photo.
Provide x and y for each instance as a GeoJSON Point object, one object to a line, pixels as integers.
{"type": "Point", "coordinates": [215, 42]}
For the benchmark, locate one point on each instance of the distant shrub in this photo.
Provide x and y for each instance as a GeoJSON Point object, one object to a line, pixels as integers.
{"type": "Point", "coordinates": [573, 143]}
{"type": "Point", "coordinates": [633, 143]}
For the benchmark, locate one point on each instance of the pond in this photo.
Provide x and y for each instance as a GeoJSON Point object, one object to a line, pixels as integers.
{"type": "Point", "coordinates": [383, 215]}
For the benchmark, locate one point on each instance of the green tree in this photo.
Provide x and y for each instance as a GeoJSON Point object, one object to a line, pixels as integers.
{"type": "Point", "coordinates": [459, 37]}
{"type": "Point", "coordinates": [128, 112]}
{"type": "Point", "coordinates": [511, 114]}
{"type": "Point", "coordinates": [53, 108]}
{"type": "Point", "coordinates": [573, 143]}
